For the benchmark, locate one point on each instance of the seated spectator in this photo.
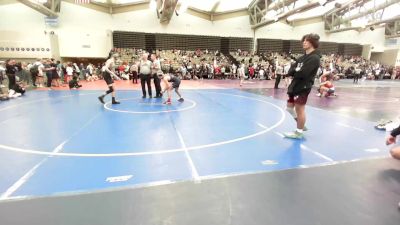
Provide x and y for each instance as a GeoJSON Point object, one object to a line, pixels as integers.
{"type": "Point", "coordinates": [74, 84]}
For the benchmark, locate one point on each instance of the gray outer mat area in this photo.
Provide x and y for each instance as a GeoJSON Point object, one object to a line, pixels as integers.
{"type": "Point", "coordinates": [356, 193]}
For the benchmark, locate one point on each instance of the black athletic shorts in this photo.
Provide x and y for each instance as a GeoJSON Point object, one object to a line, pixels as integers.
{"type": "Point", "coordinates": [107, 78]}
{"type": "Point", "coordinates": [176, 84]}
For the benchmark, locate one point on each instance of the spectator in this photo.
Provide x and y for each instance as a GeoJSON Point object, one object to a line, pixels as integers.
{"type": "Point", "coordinates": [145, 73]}
{"type": "Point", "coordinates": [74, 84]}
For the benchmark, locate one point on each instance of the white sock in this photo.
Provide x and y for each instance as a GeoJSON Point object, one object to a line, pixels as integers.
{"type": "Point", "coordinates": [299, 130]}
{"type": "Point", "coordinates": [11, 93]}
{"type": "Point", "coordinates": [291, 112]}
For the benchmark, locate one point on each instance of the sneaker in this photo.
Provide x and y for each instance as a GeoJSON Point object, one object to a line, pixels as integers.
{"type": "Point", "coordinates": [304, 128]}
{"type": "Point", "coordinates": [167, 103]}
{"type": "Point", "coordinates": [319, 95]}
{"type": "Point", "coordinates": [144, 96]}
{"type": "Point", "coordinates": [383, 122]}
{"type": "Point", "coordinates": [101, 99]}
{"type": "Point", "coordinates": [294, 135]}
{"type": "Point", "coordinates": [116, 102]}
{"type": "Point", "coordinates": [181, 100]}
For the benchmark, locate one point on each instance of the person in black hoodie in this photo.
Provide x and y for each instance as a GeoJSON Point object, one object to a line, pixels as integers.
{"type": "Point", "coordinates": [12, 68]}
{"type": "Point", "coordinates": [303, 72]}
{"type": "Point", "coordinates": [395, 152]}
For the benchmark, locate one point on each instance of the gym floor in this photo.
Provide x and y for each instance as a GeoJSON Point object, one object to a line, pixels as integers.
{"type": "Point", "coordinates": [217, 158]}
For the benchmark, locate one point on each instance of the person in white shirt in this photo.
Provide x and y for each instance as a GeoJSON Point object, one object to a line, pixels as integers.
{"type": "Point", "coordinates": [89, 69]}
{"type": "Point", "coordinates": [211, 71]}
{"type": "Point", "coordinates": [234, 70]}
{"type": "Point", "coordinates": [278, 72]}
{"type": "Point", "coordinates": [223, 71]}
{"type": "Point", "coordinates": [357, 72]}
{"type": "Point", "coordinates": [156, 69]}
{"type": "Point", "coordinates": [145, 75]}
{"type": "Point", "coordinates": [40, 76]}
{"type": "Point", "coordinates": [285, 72]}
{"type": "Point", "coordinates": [70, 72]}
{"type": "Point", "coordinates": [241, 74]}
{"type": "Point", "coordinates": [108, 71]}
{"type": "Point", "coordinates": [134, 72]}
{"type": "Point", "coordinates": [183, 71]}
{"type": "Point", "coordinates": [34, 70]}
{"type": "Point", "coordinates": [2, 73]}
{"type": "Point", "coordinates": [76, 69]}
{"type": "Point", "coordinates": [261, 73]}
{"type": "Point", "coordinates": [90, 75]}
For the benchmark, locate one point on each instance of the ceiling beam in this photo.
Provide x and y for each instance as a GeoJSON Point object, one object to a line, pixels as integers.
{"type": "Point", "coordinates": [345, 6]}
{"type": "Point", "coordinates": [109, 5]}
{"type": "Point", "coordinates": [305, 21]}
{"type": "Point", "coordinates": [393, 19]}
{"type": "Point", "coordinates": [300, 9]}
{"type": "Point", "coordinates": [100, 7]}
{"type": "Point", "coordinates": [273, 6]}
{"type": "Point", "coordinates": [390, 20]}
{"type": "Point", "coordinates": [168, 10]}
{"type": "Point", "coordinates": [39, 8]}
{"type": "Point", "coordinates": [130, 7]}
{"type": "Point", "coordinates": [199, 13]}
{"type": "Point", "coordinates": [279, 4]}
{"type": "Point", "coordinates": [230, 14]}
{"type": "Point", "coordinates": [130, 4]}
{"type": "Point", "coordinates": [343, 29]}
{"type": "Point", "coordinates": [384, 5]}
{"type": "Point", "coordinates": [215, 6]}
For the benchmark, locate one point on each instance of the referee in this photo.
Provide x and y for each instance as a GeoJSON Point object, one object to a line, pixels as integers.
{"type": "Point", "coordinates": [145, 74]}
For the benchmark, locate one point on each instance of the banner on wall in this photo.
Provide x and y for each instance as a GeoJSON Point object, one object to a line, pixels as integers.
{"type": "Point", "coordinates": [390, 42]}
{"type": "Point", "coordinates": [51, 21]}
{"type": "Point", "coordinates": [82, 1]}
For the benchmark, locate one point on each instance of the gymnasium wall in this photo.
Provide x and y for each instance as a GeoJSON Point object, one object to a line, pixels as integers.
{"type": "Point", "coordinates": [16, 31]}
{"type": "Point", "coordinates": [146, 21]}
{"type": "Point", "coordinates": [397, 63]}
{"type": "Point", "coordinates": [84, 32]}
{"type": "Point", "coordinates": [281, 30]}
{"type": "Point", "coordinates": [387, 57]}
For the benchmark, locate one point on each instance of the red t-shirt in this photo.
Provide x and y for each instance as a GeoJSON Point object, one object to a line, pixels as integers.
{"type": "Point", "coordinates": [251, 70]}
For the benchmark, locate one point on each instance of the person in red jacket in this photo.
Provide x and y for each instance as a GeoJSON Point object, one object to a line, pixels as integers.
{"type": "Point", "coordinates": [251, 71]}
